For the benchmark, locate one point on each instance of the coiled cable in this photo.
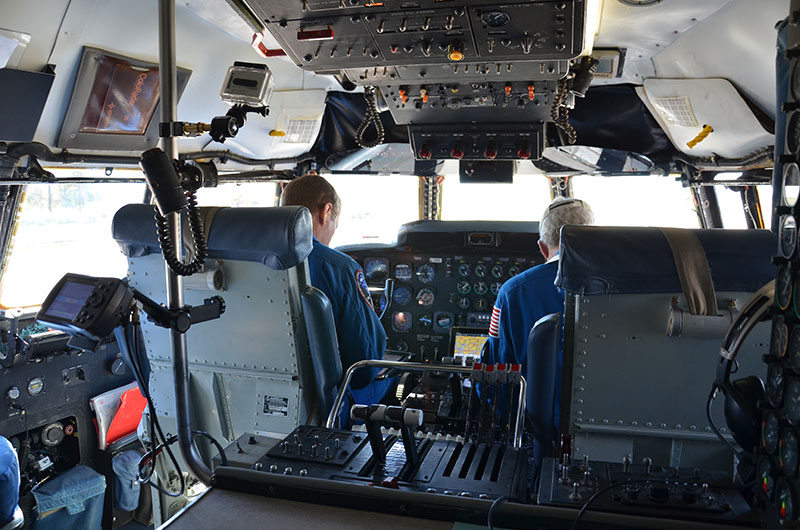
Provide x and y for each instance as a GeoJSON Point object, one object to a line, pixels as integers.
{"type": "Point", "coordinates": [372, 117]}
{"type": "Point", "coordinates": [168, 246]}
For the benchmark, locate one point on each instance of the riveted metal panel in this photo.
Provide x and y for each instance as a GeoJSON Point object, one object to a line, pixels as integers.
{"type": "Point", "coordinates": [257, 350]}
{"type": "Point", "coordinates": [256, 332]}
{"type": "Point", "coordinates": [629, 379]}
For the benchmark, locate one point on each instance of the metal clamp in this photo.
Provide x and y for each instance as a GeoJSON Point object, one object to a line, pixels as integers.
{"type": "Point", "coordinates": [423, 367]}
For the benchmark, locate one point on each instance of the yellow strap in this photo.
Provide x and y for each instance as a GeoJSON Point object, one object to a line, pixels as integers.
{"type": "Point", "coordinates": [695, 276]}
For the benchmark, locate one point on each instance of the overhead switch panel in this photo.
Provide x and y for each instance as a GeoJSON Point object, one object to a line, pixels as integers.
{"type": "Point", "coordinates": [328, 36]}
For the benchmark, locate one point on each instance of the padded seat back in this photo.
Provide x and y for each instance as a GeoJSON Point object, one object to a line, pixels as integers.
{"type": "Point", "coordinates": [324, 347]}
{"type": "Point", "coordinates": [543, 374]}
{"type": "Point", "coordinates": [250, 370]}
{"type": "Point", "coordinates": [637, 365]}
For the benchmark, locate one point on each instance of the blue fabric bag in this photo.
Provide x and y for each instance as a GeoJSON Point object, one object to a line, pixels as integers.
{"type": "Point", "coordinates": [73, 499]}
{"type": "Point", "coordinates": [126, 486]}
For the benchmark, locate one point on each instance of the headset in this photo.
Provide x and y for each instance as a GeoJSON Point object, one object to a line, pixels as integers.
{"type": "Point", "coordinates": [742, 396]}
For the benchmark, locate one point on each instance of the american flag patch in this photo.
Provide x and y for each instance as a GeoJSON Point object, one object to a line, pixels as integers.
{"type": "Point", "coordinates": [494, 324]}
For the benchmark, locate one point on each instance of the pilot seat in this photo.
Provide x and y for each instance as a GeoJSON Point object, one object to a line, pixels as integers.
{"type": "Point", "coordinates": [251, 370]}
{"type": "Point", "coordinates": [646, 310]}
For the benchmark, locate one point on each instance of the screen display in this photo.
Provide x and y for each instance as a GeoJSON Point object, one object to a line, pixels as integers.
{"type": "Point", "coordinates": [69, 300]}
{"type": "Point", "coordinates": [122, 99]}
{"type": "Point", "coordinates": [469, 345]}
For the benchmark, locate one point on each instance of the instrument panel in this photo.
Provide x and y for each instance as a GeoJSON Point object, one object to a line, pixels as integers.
{"type": "Point", "coordinates": [445, 275]}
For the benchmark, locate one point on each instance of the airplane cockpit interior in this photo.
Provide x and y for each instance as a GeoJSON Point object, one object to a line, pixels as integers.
{"type": "Point", "coordinates": [430, 264]}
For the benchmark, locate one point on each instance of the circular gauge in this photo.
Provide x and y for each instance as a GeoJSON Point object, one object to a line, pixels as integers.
{"type": "Point", "coordinates": [514, 270]}
{"type": "Point", "coordinates": [770, 431]}
{"type": "Point", "coordinates": [775, 385]}
{"type": "Point", "coordinates": [444, 320]}
{"type": "Point", "coordinates": [791, 172]}
{"type": "Point", "coordinates": [402, 272]}
{"type": "Point", "coordinates": [401, 321]}
{"type": "Point", "coordinates": [35, 386]}
{"type": "Point", "coordinates": [480, 270]}
{"type": "Point", "coordinates": [495, 288]}
{"type": "Point", "coordinates": [464, 270]}
{"type": "Point", "coordinates": [785, 498]}
{"type": "Point", "coordinates": [464, 303]}
{"type": "Point", "coordinates": [497, 271]}
{"type": "Point", "coordinates": [793, 402]}
{"type": "Point", "coordinates": [783, 286]}
{"type": "Point", "coordinates": [495, 19]}
{"type": "Point", "coordinates": [376, 270]}
{"type": "Point", "coordinates": [426, 273]}
{"type": "Point", "coordinates": [401, 345]}
{"type": "Point", "coordinates": [787, 452]}
{"type": "Point", "coordinates": [480, 304]}
{"type": "Point", "coordinates": [481, 288]}
{"type": "Point", "coordinates": [402, 295]}
{"type": "Point", "coordinates": [787, 236]}
{"type": "Point", "coordinates": [792, 140]}
{"type": "Point", "coordinates": [766, 477]}
{"type": "Point", "coordinates": [463, 287]}
{"type": "Point", "coordinates": [425, 297]}
{"type": "Point", "coordinates": [424, 320]}
{"type": "Point", "coordinates": [794, 349]}
{"type": "Point", "coordinates": [795, 84]}
{"type": "Point", "coordinates": [780, 337]}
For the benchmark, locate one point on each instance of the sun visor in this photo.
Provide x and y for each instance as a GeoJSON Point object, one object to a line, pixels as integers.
{"type": "Point", "coordinates": [684, 106]}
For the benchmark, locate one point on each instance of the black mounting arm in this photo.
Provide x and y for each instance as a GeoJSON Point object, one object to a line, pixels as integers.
{"type": "Point", "coordinates": [181, 319]}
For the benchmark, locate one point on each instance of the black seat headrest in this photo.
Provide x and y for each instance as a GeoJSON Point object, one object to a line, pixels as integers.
{"type": "Point", "coordinates": [619, 260]}
{"type": "Point", "coordinates": [279, 237]}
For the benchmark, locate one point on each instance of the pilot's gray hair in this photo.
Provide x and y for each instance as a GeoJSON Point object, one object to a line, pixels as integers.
{"type": "Point", "coordinates": [563, 211]}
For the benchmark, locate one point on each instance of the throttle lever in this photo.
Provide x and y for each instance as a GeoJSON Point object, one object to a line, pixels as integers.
{"type": "Point", "coordinates": [406, 418]}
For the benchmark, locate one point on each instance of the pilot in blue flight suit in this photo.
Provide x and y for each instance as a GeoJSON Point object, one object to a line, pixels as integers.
{"type": "Point", "coordinates": [531, 295]}
{"type": "Point", "coordinates": [360, 333]}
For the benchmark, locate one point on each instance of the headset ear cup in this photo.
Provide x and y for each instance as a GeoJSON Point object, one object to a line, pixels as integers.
{"type": "Point", "coordinates": [741, 410]}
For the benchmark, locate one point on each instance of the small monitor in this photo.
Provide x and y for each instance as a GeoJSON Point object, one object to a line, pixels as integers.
{"type": "Point", "coordinates": [69, 300]}
{"type": "Point", "coordinates": [114, 103]}
{"type": "Point", "coordinates": [466, 344]}
{"type": "Point", "coordinates": [86, 307]}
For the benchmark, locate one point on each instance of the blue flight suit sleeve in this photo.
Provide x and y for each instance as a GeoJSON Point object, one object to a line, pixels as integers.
{"type": "Point", "coordinates": [360, 334]}
{"type": "Point", "coordinates": [500, 346]}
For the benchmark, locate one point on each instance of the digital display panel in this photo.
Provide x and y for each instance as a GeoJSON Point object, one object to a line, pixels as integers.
{"type": "Point", "coordinates": [69, 300]}
{"type": "Point", "coordinates": [469, 345]}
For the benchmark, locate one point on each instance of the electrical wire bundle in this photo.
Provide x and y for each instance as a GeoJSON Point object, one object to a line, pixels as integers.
{"type": "Point", "coordinates": [559, 112]}
{"type": "Point", "coordinates": [131, 333]}
{"type": "Point", "coordinates": [372, 117]}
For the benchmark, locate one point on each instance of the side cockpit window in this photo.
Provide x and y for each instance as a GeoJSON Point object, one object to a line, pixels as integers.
{"type": "Point", "coordinates": [62, 228]}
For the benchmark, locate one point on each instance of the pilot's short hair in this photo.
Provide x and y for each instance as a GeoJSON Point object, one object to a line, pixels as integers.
{"type": "Point", "coordinates": [562, 211]}
{"type": "Point", "coordinates": [313, 192]}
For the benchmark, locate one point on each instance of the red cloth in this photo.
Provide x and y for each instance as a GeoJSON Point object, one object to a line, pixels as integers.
{"type": "Point", "coordinates": [129, 413]}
